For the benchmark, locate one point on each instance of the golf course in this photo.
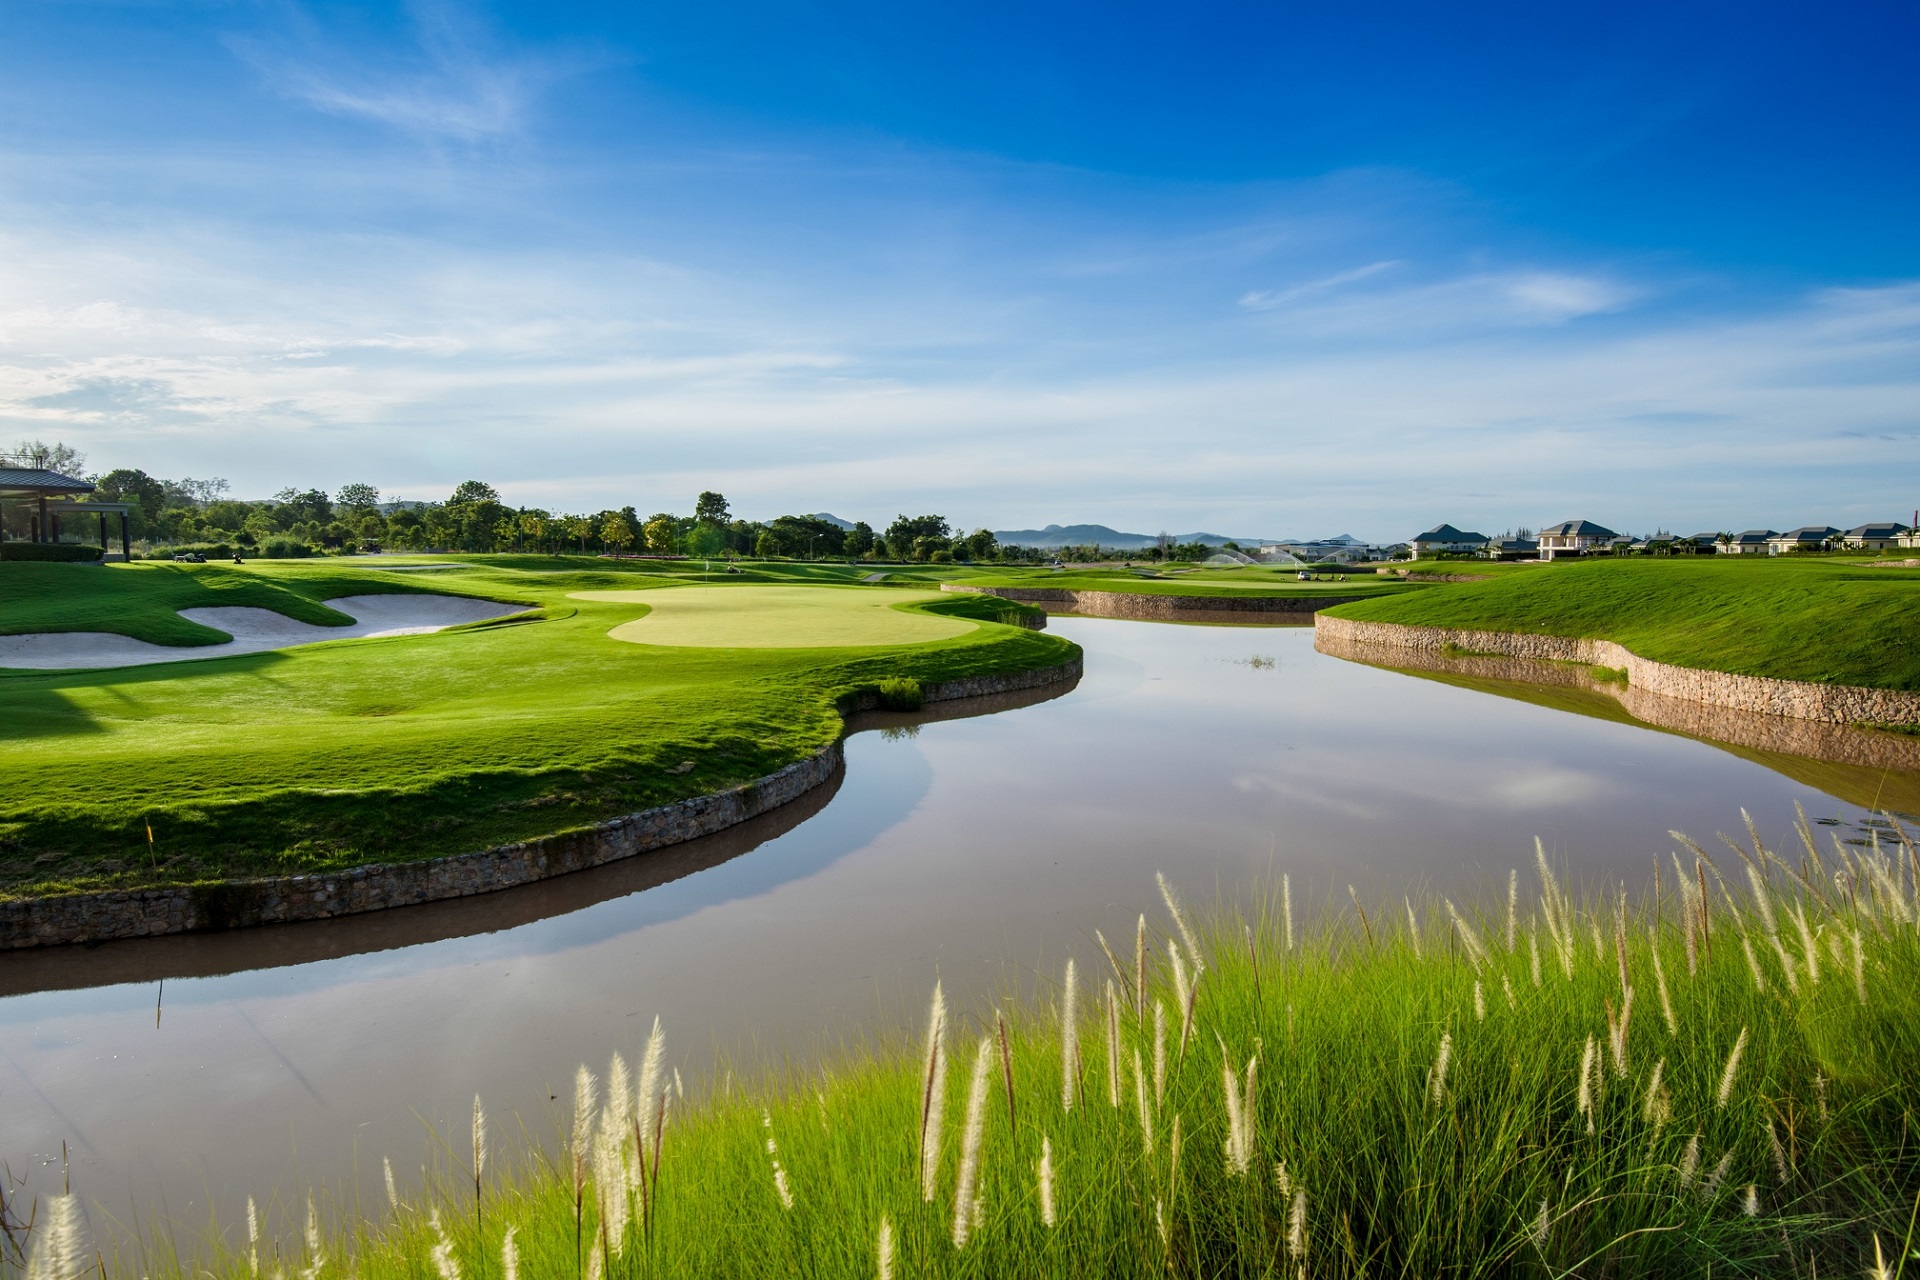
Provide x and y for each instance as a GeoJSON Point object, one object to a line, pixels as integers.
{"type": "Point", "coordinates": [582, 690]}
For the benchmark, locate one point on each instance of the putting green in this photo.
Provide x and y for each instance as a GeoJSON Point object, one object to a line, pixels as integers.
{"type": "Point", "coordinates": [755, 617]}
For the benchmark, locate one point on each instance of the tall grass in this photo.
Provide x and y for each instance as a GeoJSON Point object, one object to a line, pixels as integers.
{"type": "Point", "coordinates": [1716, 1077]}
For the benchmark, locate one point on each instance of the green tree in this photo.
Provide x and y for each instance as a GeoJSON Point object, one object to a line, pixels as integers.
{"type": "Point", "coordinates": [859, 540]}
{"type": "Point", "coordinates": [918, 536]}
{"type": "Point", "coordinates": [357, 497]}
{"type": "Point", "coordinates": [471, 493]}
{"type": "Point", "coordinates": [615, 533]}
{"type": "Point", "coordinates": [710, 508]}
{"type": "Point", "coordinates": [980, 545]}
{"type": "Point", "coordinates": [135, 487]}
{"type": "Point", "coordinates": [704, 542]}
{"type": "Point", "coordinates": [41, 456]}
{"type": "Point", "coordinates": [312, 504]}
{"type": "Point", "coordinates": [662, 534]}
{"type": "Point", "coordinates": [767, 545]}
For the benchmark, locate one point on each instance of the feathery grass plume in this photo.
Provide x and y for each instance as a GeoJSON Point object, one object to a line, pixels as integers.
{"type": "Point", "coordinates": [1599, 946]}
{"type": "Point", "coordinates": [1541, 1223]}
{"type": "Point", "coordinates": [1140, 969]}
{"type": "Point", "coordinates": [1047, 1218]}
{"type": "Point", "coordinates": [1437, 1077]}
{"type": "Point", "coordinates": [1113, 1048]}
{"type": "Point", "coordinates": [610, 1189]}
{"type": "Point", "coordinates": [1553, 907]}
{"type": "Point", "coordinates": [253, 1234]}
{"type": "Point", "coordinates": [1617, 1039]}
{"type": "Point", "coordinates": [1690, 1160]}
{"type": "Point", "coordinates": [1113, 961]}
{"type": "Point", "coordinates": [1159, 1052]}
{"type": "Point", "coordinates": [1620, 939]}
{"type": "Point", "coordinates": [316, 1255]}
{"type": "Point", "coordinates": [1413, 928]}
{"type": "Point", "coordinates": [780, 1185]}
{"type": "Point", "coordinates": [1880, 1269]}
{"type": "Point", "coordinates": [1281, 1181]}
{"type": "Point", "coordinates": [1140, 1101]}
{"type": "Point", "coordinates": [1753, 965]}
{"type": "Point", "coordinates": [1180, 923]}
{"type": "Point", "coordinates": [1711, 1188]}
{"type": "Point", "coordinates": [650, 1085]}
{"type": "Point", "coordinates": [883, 1250]}
{"type": "Point", "coordinates": [1479, 1002]}
{"type": "Point", "coordinates": [1799, 915]}
{"type": "Point", "coordinates": [1725, 1095]}
{"type": "Point", "coordinates": [1588, 1074]}
{"type": "Point", "coordinates": [933, 1079]}
{"type": "Point", "coordinates": [1778, 1152]}
{"type": "Point", "coordinates": [1286, 907]}
{"type": "Point", "coordinates": [510, 1255]}
{"type": "Point", "coordinates": [621, 1103]}
{"type": "Point", "coordinates": [1238, 1149]}
{"type": "Point", "coordinates": [1160, 1222]}
{"type": "Point", "coordinates": [1179, 975]}
{"type": "Point", "coordinates": [479, 1158]}
{"type": "Point", "coordinates": [967, 1186]}
{"type": "Point", "coordinates": [1173, 1157]}
{"type": "Point", "coordinates": [445, 1264]}
{"type": "Point", "coordinates": [679, 1089]}
{"type": "Point", "coordinates": [393, 1192]}
{"type": "Point", "coordinates": [1069, 1039]}
{"type": "Point", "coordinates": [1859, 969]}
{"type": "Point", "coordinates": [1658, 1107]}
{"type": "Point", "coordinates": [1506, 985]}
{"type": "Point", "coordinates": [1533, 955]}
{"type": "Point", "coordinates": [1762, 900]}
{"type": "Point", "coordinates": [58, 1252]}
{"type": "Point", "coordinates": [1006, 1061]}
{"type": "Point", "coordinates": [1513, 908]}
{"type": "Point", "coordinates": [1660, 983]}
{"type": "Point", "coordinates": [1361, 908]}
{"type": "Point", "coordinates": [1297, 1228]}
{"type": "Point", "coordinates": [581, 1149]}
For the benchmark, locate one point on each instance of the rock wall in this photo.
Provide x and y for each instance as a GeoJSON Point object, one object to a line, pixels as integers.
{"type": "Point", "coordinates": [233, 904]}
{"type": "Point", "coordinates": [1814, 739]}
{"type": "Point", "coordinates": [1838, 704]}
{"type": "Point", "coordinates": [1148, 608]}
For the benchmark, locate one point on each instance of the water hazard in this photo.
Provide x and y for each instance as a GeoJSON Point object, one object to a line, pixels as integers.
{"type": "Point", "coordinates": [184, 1074]}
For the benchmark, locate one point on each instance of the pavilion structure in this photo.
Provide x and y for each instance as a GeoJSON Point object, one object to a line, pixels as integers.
{"type": "Point", "coordinates": [52, 498]}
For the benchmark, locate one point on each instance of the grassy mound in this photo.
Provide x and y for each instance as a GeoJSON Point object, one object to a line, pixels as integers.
{"type": "Point", "coordinates": [753, 616]}
{"type": "Point", "coordinates": [1717, 1079]}
{"type": "Point", "coordinates": [1829, 621]}
{"type": "Point", "coordinates": [333, 756]}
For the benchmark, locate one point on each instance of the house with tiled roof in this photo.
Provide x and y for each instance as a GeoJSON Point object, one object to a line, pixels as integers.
{"type": "Point", "coordinates": [1751, 542]}
{"type": "Point", "coordinates": [1808, 537]}
{"type": "Point", "coordinates": [1445, 537]}
{"type": "Point", "coordinates": [1574, 538]}
{"type": "Point", "coordinates": [1884, 536]}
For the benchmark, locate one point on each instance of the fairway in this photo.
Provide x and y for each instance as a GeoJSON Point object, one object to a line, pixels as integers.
{"type": "Point", "coordinates": [764, 617]}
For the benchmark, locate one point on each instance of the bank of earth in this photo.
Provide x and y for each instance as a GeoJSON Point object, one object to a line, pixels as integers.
{"type": "Point", "coordinates": [333, 756]}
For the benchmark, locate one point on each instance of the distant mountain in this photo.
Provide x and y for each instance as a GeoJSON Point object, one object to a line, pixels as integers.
{"type": "Point", "coordinates": [1079, 535]}
{"type": "Point", "coordinates": [832, 520]}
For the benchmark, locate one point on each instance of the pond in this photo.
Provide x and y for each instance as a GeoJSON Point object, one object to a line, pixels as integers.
{"type": "Point", "coordinates": [980, 849]}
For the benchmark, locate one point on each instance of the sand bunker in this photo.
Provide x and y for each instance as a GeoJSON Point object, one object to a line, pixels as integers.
{"type": "Point", "coordinates": [757, 617]}
{"type": "Point", "coordinates": [253, 631]}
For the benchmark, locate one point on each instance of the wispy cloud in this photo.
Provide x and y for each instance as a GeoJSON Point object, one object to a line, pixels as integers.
{"type": "Point", "coordinates": [451, 81]}
{"type": "Point", "coordinates": [1268, 299]}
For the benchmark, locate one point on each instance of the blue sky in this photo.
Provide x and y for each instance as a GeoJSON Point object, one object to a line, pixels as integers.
{"type": "Point", "coordinates": [1274, 269]}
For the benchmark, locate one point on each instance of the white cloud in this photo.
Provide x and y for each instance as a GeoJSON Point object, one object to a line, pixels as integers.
{"type": "Point", "coordinates": [1267, 299]}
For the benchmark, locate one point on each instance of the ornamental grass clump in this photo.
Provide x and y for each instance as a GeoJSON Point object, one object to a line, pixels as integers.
{"type": "Point", "coordinates": [1413, 1122]}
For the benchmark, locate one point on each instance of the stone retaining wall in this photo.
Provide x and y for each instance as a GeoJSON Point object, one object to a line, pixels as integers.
{"type": "Point", "coordinates": [1150, 608]}
{"type": "Point", "coordinates": [1814, 739]}
{"type": "Point", "coordinates": [1762, 695]}
{"type": "Point", "coordinates": [232, 904]}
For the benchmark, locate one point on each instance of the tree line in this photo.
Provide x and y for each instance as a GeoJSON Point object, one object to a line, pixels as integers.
{"type": "Point", "coordinates": [474, 518]}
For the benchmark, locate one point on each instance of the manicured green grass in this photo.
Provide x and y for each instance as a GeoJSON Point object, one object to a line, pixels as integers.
{"type": "Point", "coordinates": [1825, 620]}
{"type": "Point", "coordinates": [754, 616]}
{"type": "Point", "coordinates": [1705, 1082]}
{"type": "Point", "coordinates": [1212, 583]}
{"type": "Point", "coordinates": [339, 754]}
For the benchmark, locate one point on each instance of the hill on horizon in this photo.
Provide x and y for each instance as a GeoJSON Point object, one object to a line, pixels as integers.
{"type": "Point", "coordinates": [1075, 535]}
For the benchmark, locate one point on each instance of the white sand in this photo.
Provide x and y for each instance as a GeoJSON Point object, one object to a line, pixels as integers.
{"type": "Point", "coordinates": [253, 631]}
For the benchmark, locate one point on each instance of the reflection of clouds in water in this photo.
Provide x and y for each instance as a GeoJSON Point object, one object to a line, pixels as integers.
{"type": "Point", "coordinates": [1492, 785]}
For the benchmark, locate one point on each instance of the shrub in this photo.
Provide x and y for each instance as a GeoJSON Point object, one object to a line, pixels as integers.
{"type": "Point", "coordinates": [941, 557]}
{"type": "Point", "coordinates": [901, 693]}
{"type": "Point", "coordinates": [63, 552]}
{"type": "Point", "coordinates": [285, 549]}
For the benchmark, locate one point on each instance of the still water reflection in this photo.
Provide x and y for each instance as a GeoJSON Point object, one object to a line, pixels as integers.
{"type": "Point", "coordinates": [977, 850]}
